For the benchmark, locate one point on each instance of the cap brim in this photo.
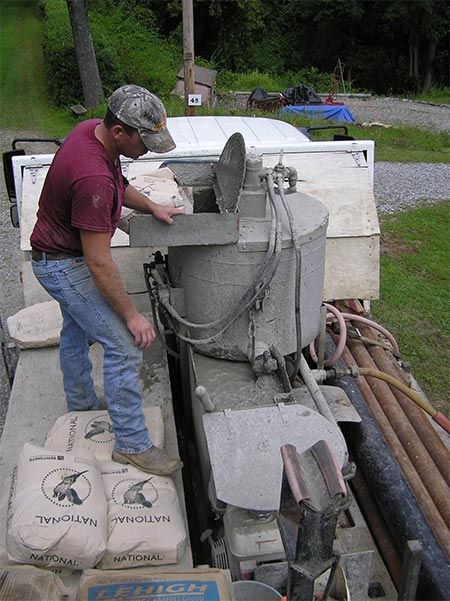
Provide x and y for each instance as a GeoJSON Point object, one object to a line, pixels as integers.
{"type": "Point", "coordinates": [160, 141]}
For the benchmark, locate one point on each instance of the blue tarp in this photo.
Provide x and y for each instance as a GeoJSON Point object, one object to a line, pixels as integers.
{"type": "Point", "coordinates": [321, 111]}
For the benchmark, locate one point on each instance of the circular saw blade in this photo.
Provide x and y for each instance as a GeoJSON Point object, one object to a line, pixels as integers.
{"type": "Point", "coordinates": [230, 172]}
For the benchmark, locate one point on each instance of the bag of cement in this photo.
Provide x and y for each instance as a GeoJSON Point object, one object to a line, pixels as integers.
{"type": "Point", "coordinates": [67, 577]}
{"type": "Point", "coordinates": [160, 186]}
{"type": "Point", "coordinates": [145, 522]}
{"type": "Point", "coordinates": [36, 326]}
{"type": "Point", "coordinates": [57, 510]}
{"type": "Point", "coordinates": [90, 434]}
{"type": "Point", "coordinates": [23, 583]}
{"type": "Point", "coordinates": [201, 584]}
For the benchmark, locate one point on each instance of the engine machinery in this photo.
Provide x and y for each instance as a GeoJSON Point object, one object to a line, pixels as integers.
{"type": "Point", "coordinates": [270, 232]}
{"type": "Point", "coordinates": [241, 289]}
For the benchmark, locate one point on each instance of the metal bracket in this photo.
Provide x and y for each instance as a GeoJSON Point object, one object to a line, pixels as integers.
{"type": "Point", "coordinates": [125, 167]}
{"type": "Point", "coordinates": [356, 154]}
{"type": "Point", "coordinates": [34, 172]}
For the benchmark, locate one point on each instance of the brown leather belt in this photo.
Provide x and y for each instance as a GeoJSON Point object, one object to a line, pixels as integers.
{"type": "Point", "coordinates": [38, 255]}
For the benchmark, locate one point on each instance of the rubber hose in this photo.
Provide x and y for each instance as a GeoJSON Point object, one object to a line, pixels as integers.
{"type": "Point", "coordinates": [376, 326]}
{"type": "Point", "coordinates": [412, 394]}
{"type": "Point", "coordinates": [342, 338]}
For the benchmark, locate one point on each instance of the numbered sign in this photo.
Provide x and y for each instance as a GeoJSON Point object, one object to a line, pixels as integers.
{"type": "Point", "coordinates": [194, 99]}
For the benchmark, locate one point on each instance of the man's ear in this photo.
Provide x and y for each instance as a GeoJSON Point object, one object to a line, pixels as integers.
{"type": "Point", "coordinates": [117, 131]}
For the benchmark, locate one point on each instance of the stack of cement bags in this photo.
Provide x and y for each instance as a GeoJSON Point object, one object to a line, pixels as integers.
{"type": "Point", "coordinates": [71, 506]}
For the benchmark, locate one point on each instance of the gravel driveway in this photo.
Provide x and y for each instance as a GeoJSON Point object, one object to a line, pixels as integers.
{"type": "Point", "coordinates": [397, 186]}
{"type": "Point", "coordinates": [394, 111]}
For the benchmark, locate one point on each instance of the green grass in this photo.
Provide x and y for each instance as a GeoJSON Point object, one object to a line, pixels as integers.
{"type": "Point", "coordinates": [435, 95]}
{"type": "Point", "coordinates": [23, 100]}
{"type": "Point", "coordinates": [406, 144]}
{"type": "Point", "coordinates": [394, 144]}
{"type": "Point", "coordinates": [414, 264]}
{"type": "Point", "coordinates": [414, 299]}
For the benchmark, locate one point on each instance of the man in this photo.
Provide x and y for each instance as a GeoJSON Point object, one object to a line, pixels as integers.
{"type": "Point", "coordinates": [79, 209]}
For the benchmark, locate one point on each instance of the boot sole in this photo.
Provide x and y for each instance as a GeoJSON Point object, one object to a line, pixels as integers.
{"type": "Point", "coordinates": [156, 471]}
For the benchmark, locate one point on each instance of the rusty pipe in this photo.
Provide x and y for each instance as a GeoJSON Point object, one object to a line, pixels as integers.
{"type": "Point", "coordinates": [412, 444]}
{"type": "Point", "coordinates": [422, 425]}
{"type": "Point", "coordinates": [422, 495]}
{"type": "Point", "coordinates": [377, 526]}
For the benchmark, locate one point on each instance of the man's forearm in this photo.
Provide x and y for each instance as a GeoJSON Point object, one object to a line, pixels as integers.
{"type": "Point", "coordinates": [134, 199]}
{"type": "Point", "coordinates": [109, 283]}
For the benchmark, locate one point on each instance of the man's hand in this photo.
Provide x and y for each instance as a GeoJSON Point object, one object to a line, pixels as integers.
{"type": "Point", "coordinates": [143, 331]}
{"type": "Point", "coordinates": [165, 214]}
{"type": "Point", "coordinates": [139, 202]}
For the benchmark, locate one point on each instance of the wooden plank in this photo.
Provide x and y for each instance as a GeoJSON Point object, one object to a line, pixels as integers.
{"type": "Point", "coordinates": [345, 189]}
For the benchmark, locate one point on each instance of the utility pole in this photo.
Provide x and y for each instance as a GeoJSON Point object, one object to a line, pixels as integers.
{"type": "Point", "coordinates": [188, 54]}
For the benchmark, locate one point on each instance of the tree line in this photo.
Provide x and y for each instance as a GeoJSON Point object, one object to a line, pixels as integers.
{"type": "Point", "coordinates": [383, 45]}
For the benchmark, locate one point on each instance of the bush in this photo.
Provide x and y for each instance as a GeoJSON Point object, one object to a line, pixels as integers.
{"type": "Point", "coordinates": [246, 82]}
{"type": "Point", "coordinates": [142, 57]}
{"type": "Point", "coordinates": [127, 51]}
{"type": "Point", "coordinates": [60, 61]}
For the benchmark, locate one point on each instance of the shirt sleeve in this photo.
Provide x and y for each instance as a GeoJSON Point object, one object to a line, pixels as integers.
{"type": "Point", "coordinates": [93, 200]}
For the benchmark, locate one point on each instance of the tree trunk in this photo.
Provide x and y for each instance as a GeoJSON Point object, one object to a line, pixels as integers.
{"type": "Point", "coordinates": [84, 47]}
{"type": "Point", "coordinates": [411, 55]}
{"type": "Point", "coordinates": [428, 71]}
{"type": "Point", "coordinates": [416, 58]}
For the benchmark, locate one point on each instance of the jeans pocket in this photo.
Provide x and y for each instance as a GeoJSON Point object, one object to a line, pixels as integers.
{"type": "Point", "coordinates": [79, 278]}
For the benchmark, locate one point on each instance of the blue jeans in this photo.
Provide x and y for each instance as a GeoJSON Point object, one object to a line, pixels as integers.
{"type": "Point", "coordinates": [88, 317]}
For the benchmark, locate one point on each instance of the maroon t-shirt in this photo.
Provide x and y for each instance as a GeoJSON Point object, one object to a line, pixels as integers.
{"type": "Point", "coordinates": [83, 189]}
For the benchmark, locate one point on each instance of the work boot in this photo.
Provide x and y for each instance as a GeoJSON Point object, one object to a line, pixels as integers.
{"type": "Point", "coordinates": [103, 405]}
{"type": "Point", "coordinates": [155, 461]}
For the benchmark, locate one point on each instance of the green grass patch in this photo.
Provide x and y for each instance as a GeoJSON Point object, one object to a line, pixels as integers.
{"type": "Point", "coordinates": [406, 144]}
{"type": "Point", "coordinates": [435, 96]}
{"type": "Point", "coordinates": [24, 102]}
{"type": "Point", "coordinates": [414, 303]}
{"type": "Point", "coordinates": [394, 144]}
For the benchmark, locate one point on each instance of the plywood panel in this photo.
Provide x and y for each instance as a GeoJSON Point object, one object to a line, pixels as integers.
{"type": "Point", "coordinates": [352, 268]}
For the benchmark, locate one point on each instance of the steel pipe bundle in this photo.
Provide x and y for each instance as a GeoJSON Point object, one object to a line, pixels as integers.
{"type": "Point", "coordinates": [405, 502]}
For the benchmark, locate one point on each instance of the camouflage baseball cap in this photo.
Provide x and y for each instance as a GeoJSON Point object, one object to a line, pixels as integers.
{"type": "Point", "coordinates": [141, 109]}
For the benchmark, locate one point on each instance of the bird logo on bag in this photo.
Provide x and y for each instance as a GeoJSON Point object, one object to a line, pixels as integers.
{"type": "Point", "coordinates": [66, 487]}
{"type": "Point", "coordinates": [135, 495]}
{"type": "Point", "coordinates": [99, 430]}
{"type": "Point", "coordinates": [98, 427]}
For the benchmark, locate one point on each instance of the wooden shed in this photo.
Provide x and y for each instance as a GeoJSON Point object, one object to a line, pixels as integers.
{"type": "Point", "coordinates": [205, 84]}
